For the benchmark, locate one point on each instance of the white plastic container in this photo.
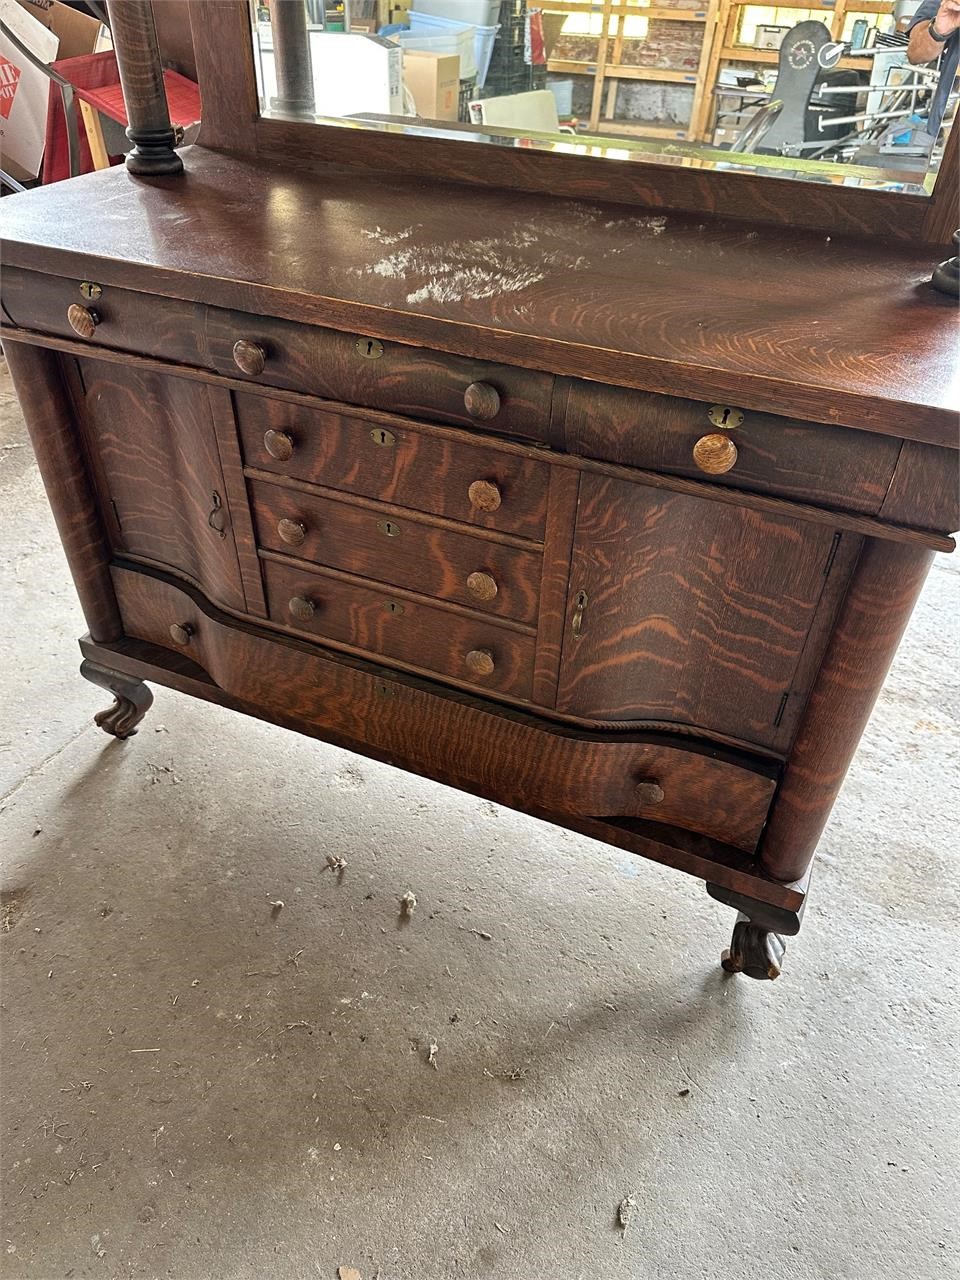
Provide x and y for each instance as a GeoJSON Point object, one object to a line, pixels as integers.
{"type": "Point", "coordinates": [479, 13]}
{"type": "Point", "coordinates": [430, 40]}
{"type": "Point", "coordinates": [483, 38]}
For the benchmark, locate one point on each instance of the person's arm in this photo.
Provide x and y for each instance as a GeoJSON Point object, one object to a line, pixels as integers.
{"type": "Point", "coordinates": [923, 47]}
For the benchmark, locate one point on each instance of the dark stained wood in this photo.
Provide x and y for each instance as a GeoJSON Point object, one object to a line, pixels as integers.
{"type": "Point", "coordinates": [924, 488]}
{"type": "Point", "coordinates": [228, 84]}
{"type": "Point", "coordinates": [401, 465]}
{"type": "Point", "coordinates": [50, 420]}
{"type": "Point", "coordinates": [601, 292]}
{"type": "Point", "coordinates": [390, 545]}
{"type": "Point", "coordinates": [872, 619]}
{"type": "Point", "coordinates": [525, 761]}
{"type": "Point", "coordinates": [940, 217]}
{"type": "Point", "coordinates": [235, 495]}
{"type": "Point", "coordinates": [404, 379]}
{"type": "Point", "coordinates": [134, 36]}
{"type": "Point", "coordinates": [154, 453]}
{"type": "Point", "coordinates": [131, 699]}
{"type": "Point", "coordinates": [406, 630]}
{"type": "Point", "coordinates": [694, 612]}
{"type": "Point", "coordinates": [172, 19]}
{"type": "Point", "coordinates": [851, 470]}
{"type": "Point", "coordinates": [558, 546]}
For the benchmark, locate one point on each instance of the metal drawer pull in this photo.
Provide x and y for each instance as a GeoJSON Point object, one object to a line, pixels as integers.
{"type": "Point", "coordinates": [83, 320]}
{"type": "Point", "coordinates": [217, 519]}
{"type": "Point", "coordinates": [249, 357]}
{"type": "Point", "coordinates": [484, 495]}
{"type": "Point", "coordinates": [481, 401]}
{"type": "Point", "coordinates": [302, 608]}
{"type": "Point", "coordinates": [580, 600]}
{"type": "Point", "coordinates": [480, 662]}
{"type": "Point", "coordinates": [180, 632]}
{"type": "Point", "coordinates": [482, 586]}
{"type": "Point", "coordinates": [649, 791]}
{"type": "Point", "coordinates": [715, 454]}
{"type": "Point", "coordinates": [292, 532]}
{"type": "Point", "coordinates": [279, 445]}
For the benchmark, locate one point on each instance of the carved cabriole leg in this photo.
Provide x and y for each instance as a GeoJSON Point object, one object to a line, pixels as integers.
{"type": "Point", "coordinates": [758, 941]}
{"type": "Point", "coordinates": [132, 699]}
{"type": "Point", "coordinates": [49, 417]}
{"type": "Point", "coordinates": [871, 621]}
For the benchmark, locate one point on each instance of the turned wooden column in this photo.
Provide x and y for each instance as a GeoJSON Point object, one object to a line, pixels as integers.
{"type": "Point", "coordinates": [49, 417]}
{"type": "Point", "coordinates": [291, 58]}
{"type": "Point", "coordinates": [873, 617]}
{"type": "Point", "coordinates": [141, 76]}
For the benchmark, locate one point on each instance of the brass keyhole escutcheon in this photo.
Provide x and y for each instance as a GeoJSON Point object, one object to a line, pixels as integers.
{"type": "Point", "coordinates": [385, 439]}
{"type": "Point", "coordinates": [370, 348]}
{"type": "Point", "coordinates": [92, 292]}
{"type": "Point", "coordinates": [389, 528]}
{"type": "Point", "coordinates": [725, 416]}
{"type": "Point", "coordinates": [394, 607]}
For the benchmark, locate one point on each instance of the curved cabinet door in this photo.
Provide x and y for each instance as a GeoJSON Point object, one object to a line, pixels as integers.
{"type": "Point", "coordinates": [695, 612]}
{"type": "Point", "coordinates": [153, 452]}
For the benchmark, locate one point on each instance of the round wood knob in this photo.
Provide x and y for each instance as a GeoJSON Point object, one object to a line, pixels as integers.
{"type": "Point", "coordinates": [83, 320]}
{"type": "Point", "coordinates": [302, 608]}
{"type": "Point", "coordinates": [649, 791]}
{"type": "Point", "coordinates": [292, 532]}
{"type": "Point", "coordinates": [480, 662]}
{"type": "Point", "coordinates": [279, 445]}
{"type": "Point", "coordinates": [482, 401]}
{"type": "Point", "coordinates": [484, 495]}
{"type": "Point", "coordinates": [249, 357]}
{"type": "Point", "coordinates": [482, 586]}
{"type": "Point", "coordinates": [715, 453]}
{"type": "Point", "coordinates": [181, 632]}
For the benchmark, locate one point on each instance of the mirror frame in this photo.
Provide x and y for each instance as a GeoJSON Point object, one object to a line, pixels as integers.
{"type": "Point", "coordinates": [232, 122]}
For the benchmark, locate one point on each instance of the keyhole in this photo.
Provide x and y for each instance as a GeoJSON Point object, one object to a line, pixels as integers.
{"type": "Point", "coordinates": [369, 348]}
{"type": "Point", "coordinates": [726, 415]}
{"type": "Point", "coordinates": [389, 528]}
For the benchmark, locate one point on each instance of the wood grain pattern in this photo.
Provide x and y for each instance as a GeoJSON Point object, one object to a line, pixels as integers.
{"type": "Point", "coordinates": [871, 621]}
{"type": "Point", "coordinates": [558, 546]}
{"type": "Point", "coordinates": [525, 762]}
{"type": "Point", "coordinates": [849, 469]}
{"type": "Point", "coordinates": [694, 612]}
{"type": "Point", "coordinates": [406, 380]}
{"type": "Point", "coordinates": [235, 494]}
{"type": "Point", "coordinates": [406, 630]}
{"type": "Point", "coordinates": [924, 489]}
{"type": "Point", "coordinates": [134, 38]}
{"type": "Point", "coordinates": [430, 473]}
{"type": "Point", "coordinates": [599, 291]}
{"type": "Point", "coordinates": [154, 453]}
{"type": "Point", "coordinates": [434, 560]}
{"type": "Point", "coordinates": [51, 422]}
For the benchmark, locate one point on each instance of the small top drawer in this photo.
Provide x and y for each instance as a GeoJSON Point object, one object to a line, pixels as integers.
{"type": "Point", "coordinates": [105, 317]}
{"type": "Point", "coordinates": [473, 483]}
{"type": "Point", "coordinates": [828, 466]}
{"type": "Point", "coordinates": [381, 375]}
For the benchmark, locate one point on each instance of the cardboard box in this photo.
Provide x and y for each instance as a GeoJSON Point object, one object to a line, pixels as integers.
{"type": "Point", "coordinates": [77, 32]}
{"type": "Point", "coordinates": [434, 81]}
{"type": "Point", "coordinates": [24, 92]}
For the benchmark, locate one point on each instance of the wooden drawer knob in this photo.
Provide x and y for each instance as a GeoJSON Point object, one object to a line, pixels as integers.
{"type": "Point", "coordinates": [292, 532]}
{"type": "Point", "coordinates": [482, 401]}
{"type": "Point", "coordinates": [715, 453]}
{"type": "Point", "coordinates": [482, 586]}
{"type": "Point", "coordinates": [480, 662]}
{"type": "Point", "coordinates": [649, 791]}
{"type": "Point", "coordinates": [484, 495]}
{"type": "Point", "coordinates": [249, 357]}
{"type": "Point", "coordinates": [302, 608]}
{"type": "Point", "coordinates": [279, 445]}
{"type": "Point", "coordinates": [83, 320]}
{"type": "Point", "coordinates": [181, 632]}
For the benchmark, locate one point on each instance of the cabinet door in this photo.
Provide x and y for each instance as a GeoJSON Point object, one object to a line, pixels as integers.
{"type": "Point", "coordinates": [153, 452]}
{"type": "Point", "coordinates": [694, 612]}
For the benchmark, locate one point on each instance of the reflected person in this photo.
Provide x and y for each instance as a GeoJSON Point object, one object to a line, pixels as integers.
{"type": "Point", "coordinates": [935, 33]}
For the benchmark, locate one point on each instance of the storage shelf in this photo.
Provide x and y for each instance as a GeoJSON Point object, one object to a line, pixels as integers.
{"type": "Point", "coordinates": [628, 11]}
{"type": "Point", "coordinates": [730, 53]}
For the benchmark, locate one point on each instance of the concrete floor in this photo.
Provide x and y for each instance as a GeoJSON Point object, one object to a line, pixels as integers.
{"type": "Point", "coordinates": [197, 1085]}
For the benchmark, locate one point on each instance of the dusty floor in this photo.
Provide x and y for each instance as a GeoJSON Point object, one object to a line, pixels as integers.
{"type": "Point", "coordinates": [197, 1085]}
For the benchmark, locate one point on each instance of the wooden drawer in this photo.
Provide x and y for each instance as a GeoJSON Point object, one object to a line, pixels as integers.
{"type": "Point", "coordinates": [403, 630]}
{"type": "Point", "coordinates": [829, 466]}
{"type": "Point", "coordinates": [395, 464]}
{"type": "Point", "coordinates": [522, 760]}
{"type": "Point", "coordinates": [405, 380]}
{"type": "Point", "coordinates": [136, 322]}
{"type": "Point", "coordinates": [392, 546]}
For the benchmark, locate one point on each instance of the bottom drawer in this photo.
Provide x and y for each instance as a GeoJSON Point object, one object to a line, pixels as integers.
{"type": "Point", "coordinates": [463, 648]}
{"type": "Point", "coordinates": [513, 757]}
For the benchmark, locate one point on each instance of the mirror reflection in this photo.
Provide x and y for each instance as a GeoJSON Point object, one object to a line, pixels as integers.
{"type": "Point", "coordinates": [861, 92]}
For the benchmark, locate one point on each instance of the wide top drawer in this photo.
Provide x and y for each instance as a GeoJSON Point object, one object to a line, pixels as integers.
{"type": "Point", "coordinates": [829, 466]}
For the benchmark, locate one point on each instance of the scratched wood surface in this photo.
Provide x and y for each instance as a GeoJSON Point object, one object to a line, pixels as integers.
{"type": "Point", "coordinates": [790, 322]}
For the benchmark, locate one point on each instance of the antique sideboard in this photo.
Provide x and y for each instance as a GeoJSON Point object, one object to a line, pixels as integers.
{"type": "Point", "coordinates": [611, 513]}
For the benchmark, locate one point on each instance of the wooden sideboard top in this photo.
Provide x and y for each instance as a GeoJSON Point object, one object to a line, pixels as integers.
{"type": "Point", "coordinates": [831, 330]}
